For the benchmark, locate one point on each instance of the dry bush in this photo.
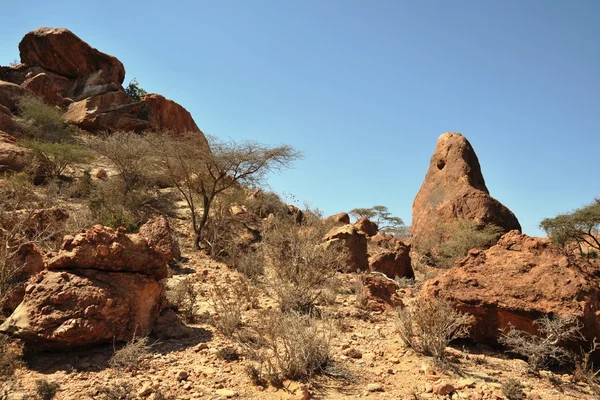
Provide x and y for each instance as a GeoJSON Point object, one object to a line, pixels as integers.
{"type": "Point", "coordinates": [546, 347]}
{"type": "Point", "coordinates": [228, 354]}
{"type": "Point", "coordinates": [429, 325]}
{"type": "Point", "coordinates": [451, 242]}
{"type": "Point", "coordinates": [51, 160]}
{"type": "Point", "coordinates": [117, 390]}
{"type": "Point", "coordinates": [512, 389]}
{"type": "Point", "coordinates": [291, 346]}
{"type": "Point", "coordinates": [131, 355]}
{"type": "Point", "coordinates": [302, 268]}
{"type": "Point", "coordinates": [229, 303]}
{"type": "Point", "coordinates": [251, 264]}
{"type": "Point", "coordinates": [584, 367]}
{"type": "Point", "coordinates": [46, 390]}
{"type": "Point", "coordinates": [184, 297]}
{"type": "Point", "coordinates": [10, 356]}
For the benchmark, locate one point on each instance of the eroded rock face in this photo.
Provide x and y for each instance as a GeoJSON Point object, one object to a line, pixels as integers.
{"type": "Point", "coordinates": [454, 189]}
{"type": "Point", "coordinates": [392, 260]}
{"type": "Point", "coordinates": [10, 94]}
{"type": "Point", "coordinates": [106, 249]}
{"type": "Point", "coordinates": [354, 242]}
{"type": "Point", "coordinates": [80, 308]}
{"type": "Point", "coordinates": [380, 293]}
{"type": "Point", "coordinates": [167, 114]}
{"type": "Point", "coordinates": [159, 236]}
{"type": "Point", "coordinates": [517, 281]}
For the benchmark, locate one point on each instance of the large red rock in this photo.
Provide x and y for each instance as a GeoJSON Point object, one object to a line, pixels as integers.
{"type": "Point", "coordinates": [394, 262]}
{"type": "Point", "coordinates": [348, 238]}
{"type": "Point", "coordinates": [59, 50]}
{"type": "Point", "coordinates": [105, 249]}
{"type": "Point", "coordinates": [380, 294]}
{"type": "Point", "coordinates": [517, 281]}
{"type": "Point", "coordinates": [168, 115]}
{"type": "Point", "coordinates": [338, 219]}
{"type": "Point", "coordinates": [12, 157]}
{"type": "Point", "coordinates": [454, 189]}
{"type": "Point", "coordinates": [80, 308]}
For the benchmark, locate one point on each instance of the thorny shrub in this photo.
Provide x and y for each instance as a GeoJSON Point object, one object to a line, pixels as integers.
{"type": "Point", "coordinates": [131, 355]}
{"type": "Point", "coordinates": [184, 296]}
{"type": "Point", "coordinates": [40, 121]}
{"type": "Point", "coordinates": [512, 389]}
{"type": "Point", "coordinates": [46, 390]}
{"type": "Point", "coordinates": [546, 347]}
{"type": "Point", "coordinates": [302, 268]}
{"type": "Point", "coordinates": [429, 325]}
{"type": "Point", "coordinates": [229, 302]}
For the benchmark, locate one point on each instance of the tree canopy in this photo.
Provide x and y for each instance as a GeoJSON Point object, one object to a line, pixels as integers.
{"type": "Point", "coordinates": [580, 226]}
{"type": "Point", "coordinates": [384, 219]}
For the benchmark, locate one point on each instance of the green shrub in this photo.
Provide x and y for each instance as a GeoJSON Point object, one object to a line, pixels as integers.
{"type": "Point", "coordinates": [43, 122]}
{"type": "Point", "coordinates": [451, 242]}
{"type": "Point", "coordinates": [52, 159]}
{"type": "Point", "coordinates": [134, 91]}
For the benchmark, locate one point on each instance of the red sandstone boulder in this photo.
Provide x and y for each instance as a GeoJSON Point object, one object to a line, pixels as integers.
{"type": "Point", "coordinates": [380, 294]}
{"type": "Point", "coordinates": [392, 263]}
{"type": "Point", "coordinates": [105, 249]}
{"type": "Point", "coordinates": [518, 280]}
{"type": "Point", "coordinates": [454, 189]}
{"type": "Point", "coordinates": [12, 157]}
{"type": "Point", "coordinates": [347, 237]}
{"type": "Point", "coordinates": [338, 219]}
{"type": "Point", "coordinates": [80, 308]}
{"type": "Point", "coordinates": [369, 227]}
{"type": "Point", "coordinates": [59, 50]}
{"type": "Point", "coordinates": [168, 115]}
{"type": "Point", "coordinates": [160, 237]}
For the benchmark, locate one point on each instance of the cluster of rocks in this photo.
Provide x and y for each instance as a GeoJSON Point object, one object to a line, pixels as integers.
{"type": "Point", "coordinates": [102, 285]}
{"type": "Point", "coordinates": [85, 84]}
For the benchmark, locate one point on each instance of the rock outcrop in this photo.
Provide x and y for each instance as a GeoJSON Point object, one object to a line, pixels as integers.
{"type": "Point", "coordinates": [66, 72]}
{"type": "Point", "coordinates": [454, 189]}
{"type": "Point", "coordinates": [367, 226]}
{"type": "Point", "coordinates": [390, 256]}
{"type": "Point", "coordinates": [380, 294]}
{"type": "Point", "coordinates": [517, 281]}
{"type": "Point", "coordinates": [102, 285]}
{"type": "Point", "coordinates": [349, 239]}
{"type": "Point", "coordinates": [12, 157]}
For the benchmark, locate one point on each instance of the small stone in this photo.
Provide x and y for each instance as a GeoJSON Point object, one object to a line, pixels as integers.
{"type": "Point", "coordinates": [145, 391]}
{"type": "Point", "coordinates": [375, 387]}
{"type": "Point", "coordinates": [228, 393]}
{"type": "Point", "coordinates": [428, 387]}
{"type": "Point", "coordinates": [443, 388]}
{"type": "Point", "coordinates": [182, 376]}
{"type": "Point", "coordinates": [465, 383]}
{"type": "Point", "coordinates": [352, 352]}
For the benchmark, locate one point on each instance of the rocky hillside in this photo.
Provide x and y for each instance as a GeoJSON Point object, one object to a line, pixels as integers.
{"type": "Point", "coordinates": [111, 289]}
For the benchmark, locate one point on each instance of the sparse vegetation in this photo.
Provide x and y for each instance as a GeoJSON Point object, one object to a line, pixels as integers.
{"type": "Point", "coordinates": [429, 325]}
{"type": "Point", "coordinates": [184, 297]}
{"type": "Point", "coordinates": [46, 390]}
{"type": "Point", "coordinates": [117, 390]}
{"type": "Point", "coordinates": [42, 122]}
{"type": "Point", "coordinates": [201, 172]}
{"type": "Point", "coordinates": [302, 267]}
{"type": "Point", "coordinates": [580, 226]}
{"type": "Point", "coordinates": [50, 159]}
{"type": "Point", "coordinates": [453, 241]}
{"type": "Point", "coordinates": [9, 358]}
{"type": "Point", "coordinates": [512, 389]}
{"type": "Point", "coordinates": [546, 347]}
{"type": "Point", "coordinates": [295, 346]}
{"type": "Point", "coordinates": [131, 355]}
{"type": "Point", "coordinates": [134, 91]}
{"type": "Point", "coordinates": [386, 222]}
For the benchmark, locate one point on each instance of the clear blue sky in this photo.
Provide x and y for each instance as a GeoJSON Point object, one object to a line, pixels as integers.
{"type": "Point", "coordinates": [364, 88]}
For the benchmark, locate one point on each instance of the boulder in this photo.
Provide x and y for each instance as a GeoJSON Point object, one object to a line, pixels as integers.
{"type": "Point", "coordinates": [46, 88]}
{"type": "Point", "coordinates": [10, 94]}
{"type": "Point", "coordinates": [12, 157]}
{"type": "Point", "coordinates": [454, 189]}
{"type": "Point", "coordinates": [31, 257]}
{"type": "Point", "coordinates": [348, 238]}
{"type": "Point", "coordinates": [160, 237]}
{"type": "Point", "coordinates": [60, 51]}
{"type": "Point", "coordinates": [105, 249]}
{"type": "Point", "coordinates": [80, 308]}
{"type": "Point", "coordinates": [380, 294]}
{"type": "Point", "coordinates": [8, 126]}
{"type": "Point", "coordinates": [168, 115]}
{"type": "Point", "coordinates": [517, 281]}
{"type": "Point", "coordinates": [367, 226]}
{"type": "Point", "coordinates": [297, 213]}
{"type": "Point", "coordinates": [392, 262]}
{"type": "Point", "coordinates": [338, 219]}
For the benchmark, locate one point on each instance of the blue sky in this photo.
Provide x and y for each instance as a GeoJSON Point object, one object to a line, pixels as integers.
{"type": "Point", "coordinates": [364, 88]}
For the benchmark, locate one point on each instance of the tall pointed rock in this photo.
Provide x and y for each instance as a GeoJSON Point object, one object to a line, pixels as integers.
{"type": "Point", "coordinates": [454, 189]}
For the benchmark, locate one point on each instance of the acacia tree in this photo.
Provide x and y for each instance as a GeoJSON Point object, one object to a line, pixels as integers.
{"type": "Point", "coordinates": [580, 226]}
{"type": "Point", "coordinates": [201, 171]}
{"type": "Point", "coordinates": [384, 219]}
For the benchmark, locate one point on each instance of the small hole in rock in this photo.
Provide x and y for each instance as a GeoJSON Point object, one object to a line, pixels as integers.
{"type": "Point", "coordinates": [441, 164]}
